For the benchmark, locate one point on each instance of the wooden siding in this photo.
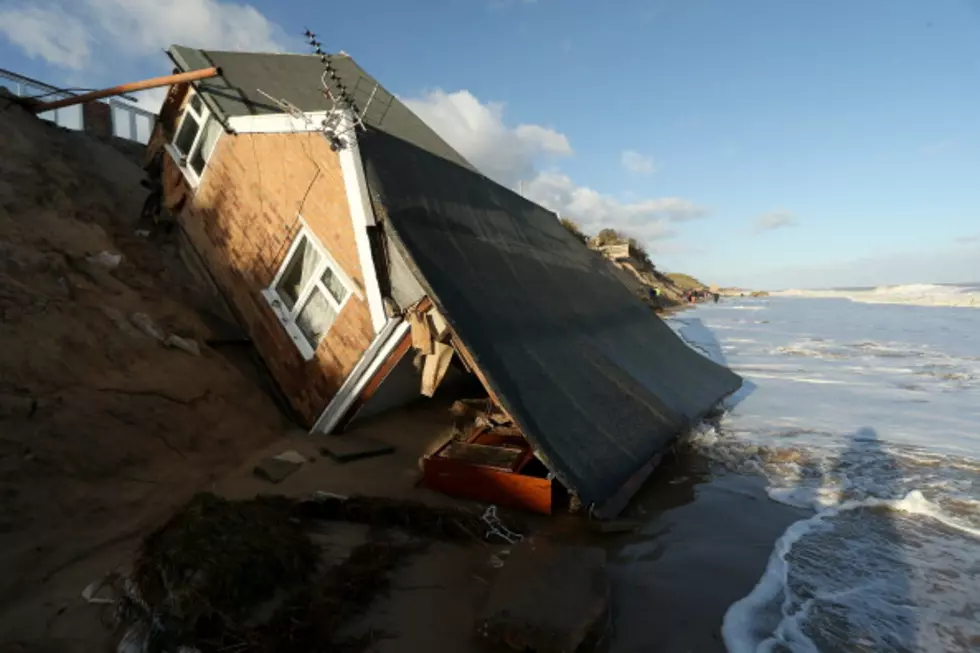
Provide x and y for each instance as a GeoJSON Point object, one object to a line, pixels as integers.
{"type": "Point", "coordinates": [243, 218]}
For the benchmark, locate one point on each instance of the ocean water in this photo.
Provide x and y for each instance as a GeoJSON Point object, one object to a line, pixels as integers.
{"type": "Point", "coordinates": [864, 407]}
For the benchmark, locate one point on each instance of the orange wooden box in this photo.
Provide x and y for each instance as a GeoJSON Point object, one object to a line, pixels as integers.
{"type": "Point", "coordinates": [492, 484]}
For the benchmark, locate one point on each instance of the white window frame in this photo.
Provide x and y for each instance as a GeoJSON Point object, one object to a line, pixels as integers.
{"type": "Point", "coordinates": [287, 316]}
{"type": "Point", "coordinates": [202, 117]}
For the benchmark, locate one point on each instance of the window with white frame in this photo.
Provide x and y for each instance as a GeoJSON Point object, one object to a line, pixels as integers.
{"type": "Point", "coordinates": [308, 292]}
{"type": "Point", "coordinates": [195, 139]}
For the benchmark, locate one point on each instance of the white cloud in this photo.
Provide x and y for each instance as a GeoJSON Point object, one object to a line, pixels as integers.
{"type": "Point", "coordinates": [478, 132]}
{"type": "Point", "coordinates": [545, 139]}
{"type": "Point", "coordinates": [46, 33]}
{"type": "Point", "coordinates": [152, 99]}
{"type": "Point", "coordinates": [146, 26]}
{"type": "Point", "coordinates": [972, 238]}
{"type": "Point", "coordinates": [66, 32]}
{"type": "Point", "coordinates": [775, 220]}
{"type": "Point", "coordinates": [638, 163]}
{"type": "Point", "coordinates": [512, 155]}
{"type": "Point", "coordinates": [647, 220]}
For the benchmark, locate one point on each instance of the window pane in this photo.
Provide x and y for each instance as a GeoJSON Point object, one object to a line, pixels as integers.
{"type": "Point", "coordinates": [315, 318]}
{"type": "Point", "coordinates": [186, 135]}
{"type": "Point", "coordinates": [299, 273]}
{"type": "Point", "coordinates": [204, 146]}
{"type": "Point", "coordinates": [196, 103]}
{"type": "Point", "coordinates": [334, 285]}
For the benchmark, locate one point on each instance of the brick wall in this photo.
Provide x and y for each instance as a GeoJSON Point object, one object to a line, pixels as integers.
{"type": "Point", "coordinates": [97, 118]}
{"type": "Point", "coordinates": [242, 219]}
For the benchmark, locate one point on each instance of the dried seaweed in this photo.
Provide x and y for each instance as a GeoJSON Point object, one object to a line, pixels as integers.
{"type": "Point", "coordinates": [447, 524]}
{"type": "Point", "coordinates": [209, 574]}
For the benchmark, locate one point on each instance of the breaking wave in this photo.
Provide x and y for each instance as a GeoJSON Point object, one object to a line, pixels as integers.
{"type": "Point", "coordinates": [920, 294]}
{"type": "Point", "coordinates": [890, 560]}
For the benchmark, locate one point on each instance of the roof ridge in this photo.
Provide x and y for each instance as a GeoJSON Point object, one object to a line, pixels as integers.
{"type": "Point", "coordinates": [298, 79]}
{"type": "Point", "coordinates": [340, 53]}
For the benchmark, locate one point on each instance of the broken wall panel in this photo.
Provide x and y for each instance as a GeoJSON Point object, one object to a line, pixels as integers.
{"type": "Point", "coordinates": [597, 383]}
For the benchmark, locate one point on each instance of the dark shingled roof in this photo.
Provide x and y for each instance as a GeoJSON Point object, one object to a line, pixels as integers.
{"type": "Point", "coordinates": [596, 381]}
{"type": "Point", "coordinates": [296, 78]}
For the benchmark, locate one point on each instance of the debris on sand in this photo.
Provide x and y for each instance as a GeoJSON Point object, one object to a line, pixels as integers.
{"type": "Point", "coordinates": [275, 469]}
{"type": "Point", "coordinates": [446, 524]}
{"type": "Point", "coordinates": [185, 344]}
{"type": "Point", "coordinates": [246, 576]}
{"type": "Point", "coordinates": [219, 558]}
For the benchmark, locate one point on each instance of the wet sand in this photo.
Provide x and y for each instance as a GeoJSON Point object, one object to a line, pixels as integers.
{"type": "Point", "coordinates": [704, 545]}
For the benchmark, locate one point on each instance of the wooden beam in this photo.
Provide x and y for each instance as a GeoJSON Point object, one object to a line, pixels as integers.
{"type": "Point", "coordinates": [143, 85]}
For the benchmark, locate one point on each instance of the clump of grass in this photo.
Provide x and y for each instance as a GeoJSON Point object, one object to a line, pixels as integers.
{"type": "Point", "coordinates": [213, 562]}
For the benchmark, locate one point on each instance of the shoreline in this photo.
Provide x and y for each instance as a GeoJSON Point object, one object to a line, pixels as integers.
{"type": "Point", "coordinates": [706, 541]}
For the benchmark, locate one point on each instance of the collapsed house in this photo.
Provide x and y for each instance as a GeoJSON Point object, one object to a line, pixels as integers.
{"type": "Point", "coordinates": [365, 257]}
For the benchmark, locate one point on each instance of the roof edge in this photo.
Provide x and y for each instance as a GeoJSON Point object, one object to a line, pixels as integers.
{"type": "Point", "coordinates": [176, 55]}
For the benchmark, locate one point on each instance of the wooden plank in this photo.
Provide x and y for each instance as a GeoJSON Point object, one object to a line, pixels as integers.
{"type": "Point", "coordinates": [487, 485]}
{"type": "Point", "coordinates": [421, 334]}
{"type": "Point", "coordinates": [440, 328]}
{"type": "Point", "coordinates": [435, 368]}
{"type": "Point", "coordinates": [481, 454]}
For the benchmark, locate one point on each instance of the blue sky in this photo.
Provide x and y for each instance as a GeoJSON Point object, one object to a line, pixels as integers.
{"type": "Point", "coordinates": [765, 143]}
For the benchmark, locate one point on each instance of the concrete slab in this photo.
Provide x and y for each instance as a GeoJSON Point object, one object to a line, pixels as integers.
{"type": "Point", "coordinates": [291, 456]}
{"type": "Point", "coordinates": [275, 470]}
{"type": "Point", "coordinates": [547, 598]}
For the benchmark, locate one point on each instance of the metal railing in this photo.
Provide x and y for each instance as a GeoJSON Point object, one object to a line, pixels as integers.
{"type": "Point", "coordinates": [128, 121]}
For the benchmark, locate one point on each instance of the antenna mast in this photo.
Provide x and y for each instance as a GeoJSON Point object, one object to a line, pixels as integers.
{"type": "Point", "coordinates": [340, 98]}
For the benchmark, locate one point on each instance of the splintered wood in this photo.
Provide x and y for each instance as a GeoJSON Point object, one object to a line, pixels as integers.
{"type": "Point", "coordinates": [421, 334]}
{"type": "Point", "coordinates": [429, 333]}
{"type": "Point", "coordinates": [434, 368]}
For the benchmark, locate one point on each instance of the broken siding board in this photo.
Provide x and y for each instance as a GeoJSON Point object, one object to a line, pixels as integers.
{"type": "Point", "coordinates": [421, 335]}
{"type": "Point", "coordinates": [434, 368]}
{"type": "Point", "coordinates": [438, 324]}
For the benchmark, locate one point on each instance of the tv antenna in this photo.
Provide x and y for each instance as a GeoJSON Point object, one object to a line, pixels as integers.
{"type": "Point", "coordinates": [336, 91]}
